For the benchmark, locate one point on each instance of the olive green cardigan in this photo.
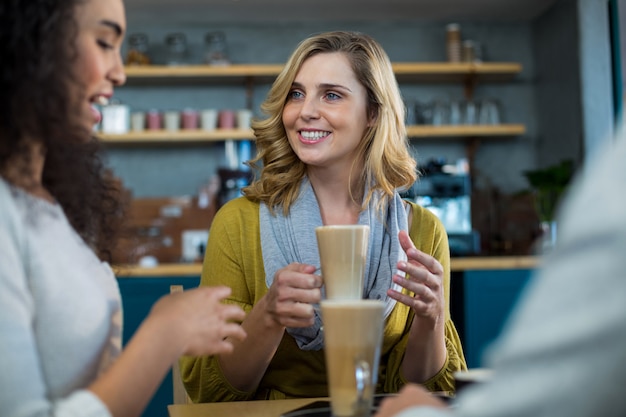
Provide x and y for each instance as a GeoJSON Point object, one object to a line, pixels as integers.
{"type": "Point", "coordinates": [234, 258]}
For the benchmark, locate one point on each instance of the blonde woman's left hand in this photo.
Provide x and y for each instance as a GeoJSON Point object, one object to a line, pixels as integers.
{"type": "Point", "coordinates": [424, 278]}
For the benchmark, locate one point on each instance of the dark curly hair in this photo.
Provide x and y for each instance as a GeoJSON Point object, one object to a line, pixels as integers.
{"type": "Point", "coordinates": [37, 55]}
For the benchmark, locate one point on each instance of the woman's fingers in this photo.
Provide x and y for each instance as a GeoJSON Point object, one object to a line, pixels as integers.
{"type": "Point", "coordinates": [291, 297]}
{"type": "Point", "coordinates": [423, 280]}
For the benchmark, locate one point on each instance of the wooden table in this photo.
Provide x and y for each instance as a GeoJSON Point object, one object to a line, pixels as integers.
{"type": "Point", "coordinates": [239, 408]}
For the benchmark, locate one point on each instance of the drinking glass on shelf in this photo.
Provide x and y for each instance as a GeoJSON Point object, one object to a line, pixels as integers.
{"type": "Point", "coordinates": [470, 113]}
{"type": "Point", "coordinates": [410, 118]}
{"type": "Point", "coordinates": [479, 52]}
{"type": "Point", "coordinates": [468, 51]}
{"type": "Point", "coordinates": [489, 112]}
{"type": "Point", "coordinates": [441, 113]}
{"type": "Point", "coordinates": [423, 113]}
{"type": "Point", "coordinates": [456, 112]}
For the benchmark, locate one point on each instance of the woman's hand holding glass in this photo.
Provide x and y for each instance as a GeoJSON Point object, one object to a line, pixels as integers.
{"type": "Point", "coordinates": [290, 298]}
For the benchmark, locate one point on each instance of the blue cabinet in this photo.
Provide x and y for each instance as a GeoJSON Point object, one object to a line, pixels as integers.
{"type": "Point", "coordinates": [482, 301]}
{"type": "Point", "coordinates": [488, 298]}
{"type": "Point", "coordinates": [138, 296]}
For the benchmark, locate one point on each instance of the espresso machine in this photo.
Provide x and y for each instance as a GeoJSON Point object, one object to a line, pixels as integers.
{"type": "Point", "coordinates": [448, 196]}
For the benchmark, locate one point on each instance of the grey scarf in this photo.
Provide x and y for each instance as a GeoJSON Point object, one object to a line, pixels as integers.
{"type": "Point", "coordinates": [292, 239]}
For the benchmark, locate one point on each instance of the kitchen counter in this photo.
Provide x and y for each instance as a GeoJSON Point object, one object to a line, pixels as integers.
{"type": "Point", "coordinates": [485, 290]}
{"type": "Point", "coordinates": [493, 262]}
{"type": "Point", "coordinates": [457, 264]}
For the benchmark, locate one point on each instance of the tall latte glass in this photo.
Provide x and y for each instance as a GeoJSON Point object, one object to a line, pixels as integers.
{"type": "Point", "coordinates": [353, 331]}
{"type": "Point", "coordinates": [343, 253]}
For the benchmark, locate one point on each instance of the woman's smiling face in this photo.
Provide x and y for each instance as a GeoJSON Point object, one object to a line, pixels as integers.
{"type": "Point", "coordinates": [325, 115]}
{"type": "Point", "coordinates": [99, 66]}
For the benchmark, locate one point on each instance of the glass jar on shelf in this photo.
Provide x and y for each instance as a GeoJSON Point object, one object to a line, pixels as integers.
{"type": "Point", "coordinates": [453, 42]}
{"type": "Point", "coordinates": [137, 49]}
{"type": "Point", "coordinates": [177, 50]}
{"type": "Point", "coordinates": [216, 49]}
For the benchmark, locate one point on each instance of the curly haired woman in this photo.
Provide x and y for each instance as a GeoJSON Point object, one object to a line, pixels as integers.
{"type": "Point", "coordinates": [60, 350]}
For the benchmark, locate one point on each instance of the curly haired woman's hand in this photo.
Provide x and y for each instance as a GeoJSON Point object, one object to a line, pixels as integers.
{"type": "Point", "coordinates": [199, 320]}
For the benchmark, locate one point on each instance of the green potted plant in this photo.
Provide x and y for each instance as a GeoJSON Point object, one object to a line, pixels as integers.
{"type": "Point", "coordinates": [548, 185]}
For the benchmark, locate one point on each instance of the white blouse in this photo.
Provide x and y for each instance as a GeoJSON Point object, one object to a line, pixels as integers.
{"type": "Point", "coordinates": [60, 312]}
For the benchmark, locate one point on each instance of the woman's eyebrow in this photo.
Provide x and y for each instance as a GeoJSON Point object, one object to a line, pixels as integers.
{"type": "Point", "coordinates": [325, 86]}
{"type": "Point", "coordinates": [330, 86]}
{"type": "Point", "coordinates": [116, 27]}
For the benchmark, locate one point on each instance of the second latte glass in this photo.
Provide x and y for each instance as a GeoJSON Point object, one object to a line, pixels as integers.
{"type": "Point", "coordinates": [343, 256]}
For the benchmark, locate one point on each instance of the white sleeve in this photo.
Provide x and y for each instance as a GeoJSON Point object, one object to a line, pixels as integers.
{"type": "Point", "coordinates": [22, 386]}
{"type": "Point", "coordinates": [563, 353]}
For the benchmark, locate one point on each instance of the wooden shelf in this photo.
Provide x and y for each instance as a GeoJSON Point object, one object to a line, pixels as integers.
{"type": "Point", "coordinates": [419, 71]}
{"type": "Point", "coordinates": [159, 71]}
{"type": "Point", "coordinates": [467, 73]}
{"type": "Point", "coordinates": [465, 131]}
{"type": "Point", "coordinates": [455, 72]}
{"type": "Point", "coordinates": [180, 136]}
{"type": "Point", "coordinates": [203, 136]}
{"type": "Point", "coordinates": [204, 73]}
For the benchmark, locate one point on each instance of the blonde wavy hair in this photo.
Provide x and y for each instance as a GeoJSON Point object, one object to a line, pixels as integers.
{"type": "Point", "coordinates": [388, 164]}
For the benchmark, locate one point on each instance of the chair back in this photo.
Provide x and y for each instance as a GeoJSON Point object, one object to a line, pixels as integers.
{"type": "Point", "coordinates": [180, 393]}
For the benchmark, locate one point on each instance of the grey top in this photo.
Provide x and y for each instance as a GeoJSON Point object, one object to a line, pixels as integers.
{"type": "Point", "coordinates": [563, 353]}
{"type": "Point", "coordinates": [60, 312]}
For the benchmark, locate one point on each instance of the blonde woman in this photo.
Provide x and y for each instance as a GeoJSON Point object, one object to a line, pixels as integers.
{"type": "Point", "coordinates": [332, 150]}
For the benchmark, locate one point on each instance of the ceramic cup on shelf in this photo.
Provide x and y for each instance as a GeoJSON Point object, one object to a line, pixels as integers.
{"type": "Point", "coordinates": [137, 121]}
{"type": "Point", "coordinates": [189, 119]}
{"type": "Point", "coordinates": [226, 119]}
{"type": "Point", "coordinates": [115, 118]}
{"type": "Point", "coordinates": [208, 119]}
{"type": "Point", "coordinates": [172, 120]}
{"type": "Point", "coordinates": [244, 118]}
{"type": "Point", "coordinates": [154, 120]}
